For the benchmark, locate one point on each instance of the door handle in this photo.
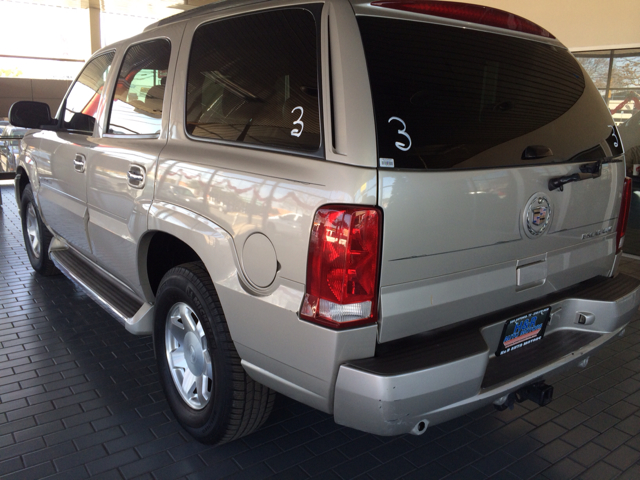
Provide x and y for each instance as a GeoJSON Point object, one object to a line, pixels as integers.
{"type": "Point", "coordinates": [136, 176]}
{"type": "Point", "coordinates": [79, 163]}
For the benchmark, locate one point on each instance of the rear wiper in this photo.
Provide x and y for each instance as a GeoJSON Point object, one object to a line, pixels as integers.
{"type": "Point", "coordinates": [587, 171]}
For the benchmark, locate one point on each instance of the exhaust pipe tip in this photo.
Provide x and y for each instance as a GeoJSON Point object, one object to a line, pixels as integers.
{"type": "Point", "coordinates": [420, 427]}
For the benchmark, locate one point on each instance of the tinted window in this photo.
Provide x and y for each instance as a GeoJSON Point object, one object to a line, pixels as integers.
{"type": "Point", "coordinates": [253, 79]}
{"type": "Point", "coordinates": [137, 102]}
{"type": "Point", "coordinates": [81, 107]}
{"type": "Point", "coordinates": [442, 94]}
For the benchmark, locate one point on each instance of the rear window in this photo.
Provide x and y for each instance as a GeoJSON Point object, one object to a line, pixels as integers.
{"type": "Point", "coordinates": [442, 94]}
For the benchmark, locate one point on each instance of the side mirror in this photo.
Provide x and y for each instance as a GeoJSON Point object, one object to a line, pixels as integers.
{"type": "Point", "coordinates": [30, 114]}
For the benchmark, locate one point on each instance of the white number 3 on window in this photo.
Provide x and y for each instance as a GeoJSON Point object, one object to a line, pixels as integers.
{"type": "Point", "coordinates": [296, 132]}
{"type": "Point", "coordinates": [402, 146]}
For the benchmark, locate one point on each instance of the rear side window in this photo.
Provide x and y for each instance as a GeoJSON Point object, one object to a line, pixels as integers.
{"type": "Point", "coordinates": [254, 79]}
{"type": "Point", "coordinates": [81, 105]}
{"type": "Point", "coordinates": [442, 94]}
{"type": "Point", "coordinates": [137, 103]}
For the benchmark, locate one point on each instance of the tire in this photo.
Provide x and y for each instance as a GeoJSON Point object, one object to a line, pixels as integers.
{"type": "Point", "coordinates": [37, 236]}
{"type": "Point", "coordinates": [218, 402]}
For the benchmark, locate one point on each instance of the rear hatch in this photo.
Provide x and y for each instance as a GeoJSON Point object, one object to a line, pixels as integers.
{"type": "Point", "coordinates": [472, 124]}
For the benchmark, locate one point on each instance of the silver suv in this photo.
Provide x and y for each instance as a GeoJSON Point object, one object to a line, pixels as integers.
{"type": "Point", "coordinates": [393, 211]}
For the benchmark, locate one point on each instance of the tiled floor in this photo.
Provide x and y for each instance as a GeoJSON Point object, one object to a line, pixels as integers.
{"type": "Point", "coordinates": [79, 398]}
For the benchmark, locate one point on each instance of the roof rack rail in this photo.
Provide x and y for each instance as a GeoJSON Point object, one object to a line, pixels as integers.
{"type": "Point", "coordinates": [211, 7]}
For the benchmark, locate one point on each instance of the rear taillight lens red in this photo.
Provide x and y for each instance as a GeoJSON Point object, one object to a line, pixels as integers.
{"type": "Point", "coordinates": [343, 267]}
{"type": "Point", "coordinates": [625, 205]}
{"type": "Point", "coordinates": [467, 13]}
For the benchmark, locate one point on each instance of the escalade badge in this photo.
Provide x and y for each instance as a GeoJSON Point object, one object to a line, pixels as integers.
{"type": "Point", "coordinates": [537, 215]}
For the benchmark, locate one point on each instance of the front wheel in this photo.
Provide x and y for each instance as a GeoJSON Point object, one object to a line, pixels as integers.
{"type": "Point", "coordinates": [206, 387]}
{"type": "Point", "coordinates": [36, 235]}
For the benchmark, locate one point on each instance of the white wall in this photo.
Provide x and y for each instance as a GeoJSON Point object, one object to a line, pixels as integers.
{"type": "Point", "coordinates": [48, 91]}
{"type": "Point", "coordinates": [580, 24]}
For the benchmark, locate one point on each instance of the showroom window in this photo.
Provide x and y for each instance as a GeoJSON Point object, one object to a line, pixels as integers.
{"type": "Point", "coordinates": [257, 88]}
{"type": "Point", "coordinates": [616, 73]}
{"type": "Point", "coordinates": [81, 105]}
{"type": "Point", "coordinates": [137, 103]}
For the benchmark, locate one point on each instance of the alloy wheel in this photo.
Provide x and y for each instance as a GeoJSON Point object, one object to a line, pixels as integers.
{"type": "Point", "coordinates": [188, 356]}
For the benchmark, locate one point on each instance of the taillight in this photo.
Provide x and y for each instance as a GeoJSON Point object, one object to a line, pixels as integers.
{"type": "Point", "coordinates": [625, 205]}
{"type": "Point", "coordinates": [467, 13]}
{"type": "Point", "coordinates": [342, 267]}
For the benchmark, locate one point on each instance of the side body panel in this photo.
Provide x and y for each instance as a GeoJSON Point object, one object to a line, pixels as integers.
{"type": "Point", "coordinates": [247, 192]}
{"type": "Point", "coordinates": [63, 194]}
{"type": "Point", "coordinates": [117, 210]}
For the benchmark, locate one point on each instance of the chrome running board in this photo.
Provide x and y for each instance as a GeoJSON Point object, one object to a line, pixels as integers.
{"type": "Point", "coordinates": [108, 292]}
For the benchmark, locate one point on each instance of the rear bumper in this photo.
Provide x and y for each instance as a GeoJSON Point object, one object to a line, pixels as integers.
{"type": "Point", "coordinates": [441, 376]}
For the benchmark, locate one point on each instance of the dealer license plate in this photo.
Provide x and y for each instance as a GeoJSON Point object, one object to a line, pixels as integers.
{"type": "Point", "coordinates": [523, 330]}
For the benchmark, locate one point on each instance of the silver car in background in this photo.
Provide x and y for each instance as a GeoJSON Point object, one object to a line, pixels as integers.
{"type": "Point", "coordinates": [10, 148]}
{"type": "Point", "coordinates": [393, 211]}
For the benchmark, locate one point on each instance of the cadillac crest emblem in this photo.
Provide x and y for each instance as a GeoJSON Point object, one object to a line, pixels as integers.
{"type": "Point", "coordinates": [537, 215]}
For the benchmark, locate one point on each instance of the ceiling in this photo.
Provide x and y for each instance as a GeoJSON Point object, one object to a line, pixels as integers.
{"type": "Point", "coordinates": [146, 8]}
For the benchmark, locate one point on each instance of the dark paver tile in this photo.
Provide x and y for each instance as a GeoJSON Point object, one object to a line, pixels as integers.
{"type": "Point", "coordinates": [493, 463]}
{"type": "Point", "coordinates": [630, 425]}
{"type": "Point", "coordinates": [623, 457]}
{"type": "Point", "coordinates": [361, 445]}
{"type": "Point", "coordinates": [289, 458]}
{"type": "Point", "coordinates": [356, 466]}
{"type": "Point", "coordinates": [632, 473]}
{"type": "Point", "coordinates": [224, 470]}
{"type": "Point", "coordinates": [257, 455]}
{"type": "Point", "coordinates": [220, 453]}
{"type": "Point", "coordinates": [68, 434]}
{"type": "Point", "coordinates": [540, 416]}
{"type": "Point", "coordinates": [458, 459]}
{"type": "Point", "coordinates": [323, 462]}
{"type": "Point", "coordinates": [112, 461]}
{"type": "Point", "coordinates": [32, 473]}
{"type": "Point", "coordinates": [564, 469]}
{"type": "Point", "coordinates": [256, 472]}
{"type": "Point", "coordinates": [622, 410]}
{"type": "Point", "coordinates": [49, 453]}
{"type": "Point", "coordinates": [432, 471]}
{"type": "Point", "coordinates": [589, 454]}
{"type": "Point", "coordinates": [579, 435]}
{"type": "Point", "coordinates": [327, 442]}
{"type": "Point", "coordinates": [490, 443]}
{"type": "Point", "coordinates": [600, 471]}
{"type": "Point", "coordinates": [555, 451]}
{"type": "Point", "coordinates": [522, 447]}
{"type": "Point", "coordinates": [80, 458]}
{"type": "Point", "coordinates": [528, 466]}
{"type": "Point", "coordinates": [393, 469]}
{"type": "Point", "coordinates": [571, 418]}
{"type": "Point", "coordinates": [11, 465]}
{"type": "Point", "coordinates": [611, 439]}
{"type": "Point", "coordinates": [427, 454]}
{"type": "Point", "coordinates": [547, 432]}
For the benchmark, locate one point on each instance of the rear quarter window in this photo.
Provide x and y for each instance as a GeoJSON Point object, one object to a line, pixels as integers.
{"type": "Point", "coordinates": [253, 79]}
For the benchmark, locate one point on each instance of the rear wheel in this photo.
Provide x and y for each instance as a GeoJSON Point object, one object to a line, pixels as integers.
{"type": "Point", "coordinates": [206, 387]}
{"type": "Point", "coordinates": [36, 235]}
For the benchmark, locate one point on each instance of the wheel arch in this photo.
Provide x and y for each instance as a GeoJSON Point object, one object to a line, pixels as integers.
{"type": "Point", "coordinates": [176, 236]}
{"type": "Point", "coordinates": [22, 181]}
{"type": "Point", "coordinates": [161, 252]}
